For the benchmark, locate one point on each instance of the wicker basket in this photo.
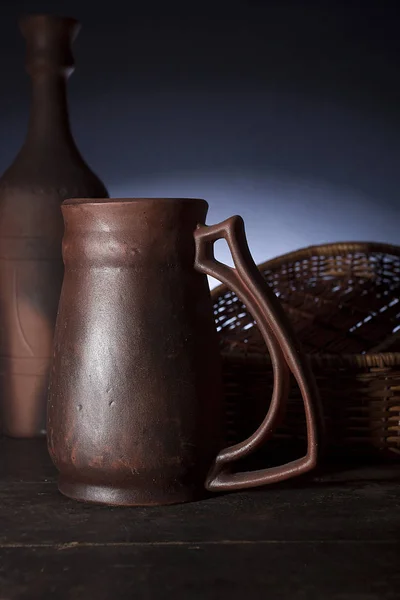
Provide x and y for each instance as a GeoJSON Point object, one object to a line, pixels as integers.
{"type": "Point", "coordinates": [360, 394]}
{"type": "Point", "coordinates": [341, 298]}
{"type": "Point", "coordinates": [343, 301]}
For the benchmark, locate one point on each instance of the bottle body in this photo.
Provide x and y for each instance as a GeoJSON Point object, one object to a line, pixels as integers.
{"type": "Point", "coordinates": [31, 273]}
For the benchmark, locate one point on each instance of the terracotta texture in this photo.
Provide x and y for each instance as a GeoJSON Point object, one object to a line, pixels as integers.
{"type": "Point", "coordinates": [135, 412]}
{"type": "Point", "coordinates": [48, 169]}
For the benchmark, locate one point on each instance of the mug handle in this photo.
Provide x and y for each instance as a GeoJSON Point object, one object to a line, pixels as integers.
{"type": "Point", "coordinates": [248, 284]}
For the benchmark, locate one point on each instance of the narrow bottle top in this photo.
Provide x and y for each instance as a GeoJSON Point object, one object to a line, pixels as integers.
{"type": "Point", "coordinates": [49, 39]}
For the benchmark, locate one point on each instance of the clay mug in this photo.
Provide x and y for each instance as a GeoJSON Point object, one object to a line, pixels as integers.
{"type": "Point", "coordinates": [135, 407]}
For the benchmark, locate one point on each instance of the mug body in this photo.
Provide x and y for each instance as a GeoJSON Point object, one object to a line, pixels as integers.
{"type": "Point", "coordinates": [135, 398]}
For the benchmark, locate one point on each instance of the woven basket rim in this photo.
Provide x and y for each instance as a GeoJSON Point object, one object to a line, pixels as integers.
{"type": "Point", "coordinates": [367, 360]}
{"type": "Point", "coordinates": [336, 248]}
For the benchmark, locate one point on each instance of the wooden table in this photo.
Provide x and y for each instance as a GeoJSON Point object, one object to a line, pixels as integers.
{"type": "Point", "coordinates": [329, 537]}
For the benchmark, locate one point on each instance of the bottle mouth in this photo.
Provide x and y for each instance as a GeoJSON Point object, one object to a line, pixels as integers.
{"type": "Point", "coordinates": [28, 18]}
{"type": "Point", "coordinates": [45, 25]}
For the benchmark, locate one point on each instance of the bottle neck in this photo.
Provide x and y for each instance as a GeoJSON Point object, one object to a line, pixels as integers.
{"type": "Point", "coordinates": [49, 121]}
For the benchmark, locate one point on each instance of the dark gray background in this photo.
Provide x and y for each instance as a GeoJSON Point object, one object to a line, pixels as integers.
{"type": "Point", "coordinates": [285, 112]}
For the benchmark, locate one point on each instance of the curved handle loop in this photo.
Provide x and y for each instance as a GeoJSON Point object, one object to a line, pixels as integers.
{"type": "Point", "coordinates": [249, 285]}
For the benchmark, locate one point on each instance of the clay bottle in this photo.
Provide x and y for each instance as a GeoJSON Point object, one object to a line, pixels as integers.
{"type": "Point", "coordinates": [47, 170]}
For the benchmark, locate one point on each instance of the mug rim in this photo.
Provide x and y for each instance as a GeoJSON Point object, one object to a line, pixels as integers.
{"type": "Point", "coordinates": [116, 201]}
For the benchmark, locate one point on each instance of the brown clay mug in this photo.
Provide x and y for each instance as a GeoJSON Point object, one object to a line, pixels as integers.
{"type": "Point", "coordinates": [135, 411]}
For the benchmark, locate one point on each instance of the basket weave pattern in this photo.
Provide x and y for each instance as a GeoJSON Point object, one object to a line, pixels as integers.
{"type": "Point", "coordinates": [368, 420]}
{"type": "Point", "coordinates": [341, 298]}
